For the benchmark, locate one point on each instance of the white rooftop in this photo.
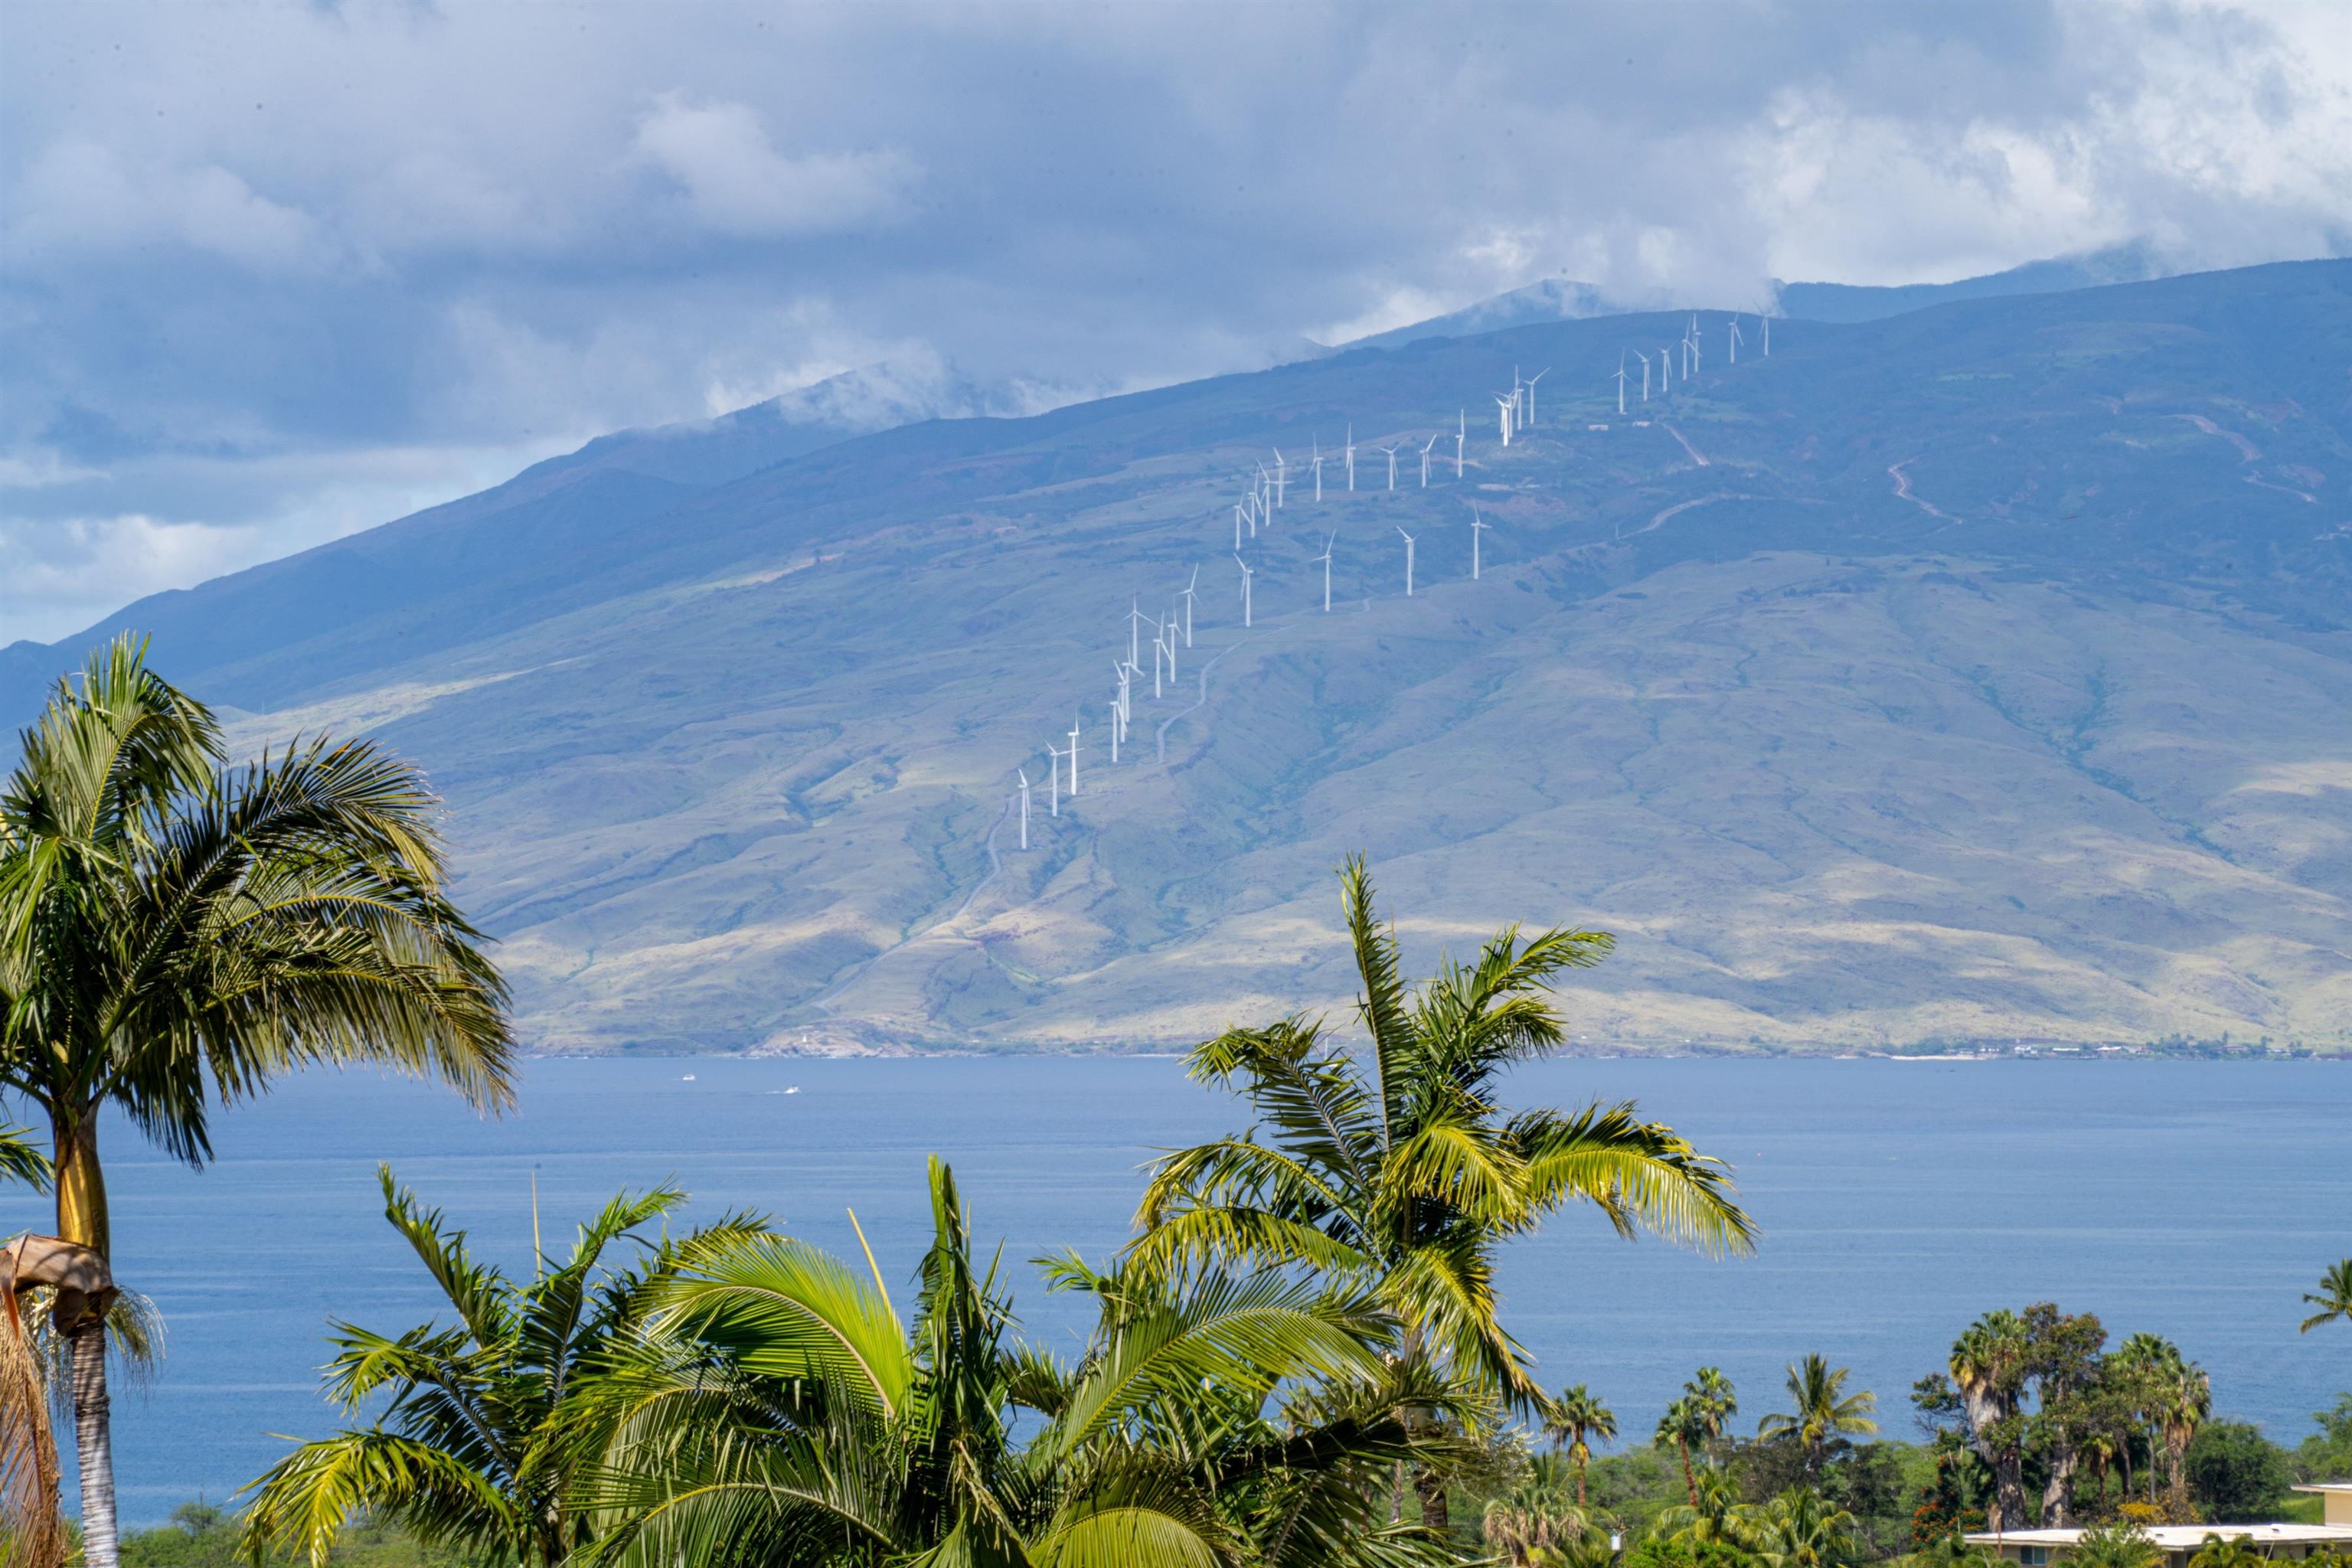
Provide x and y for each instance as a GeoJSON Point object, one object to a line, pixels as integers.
{"type": "Point", "coordinates": [2325, 1487]}
{"type": "Point", "coordinates": [2184, 1537]}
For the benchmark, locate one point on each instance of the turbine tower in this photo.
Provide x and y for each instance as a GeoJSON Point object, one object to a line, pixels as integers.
{"type": "Point", "coordinates": [1326, 559]}
{"type": "Point", "coordinates": [1531, 393]}
{"type": "Point", "coordinates": [1074, 754]}
{"type": "Point", "coordinates": [1280, 480]}
{"type": "Point", "coordinates": [1503, 404]}
{"type": "Point", "coordinates": [1646, 377]}
{"type": "Point", "coordinates": [1247, 621]}
{"type": "Point", "coordinates": [1391, 451]}
{"type": "Point", "coordinates": [1351, 459]}
{"type": "Point", "coordinates": [1766, 323]}
{"type": "Point", "coordinates": [1024, 807]}
{"type": "Point", "coordinates": [1318, 470]}
{"type": "Point", "coordinates": [1054, 772]}
{"type": "Point", "coordinates": [1461, 433]}
{"type": "Point", "coordinates": [1188, 605]}
{"type": "Point", "coordinates": [1620, 387]}
{"type": "Point", "coordinates": [1478, 525]}
{"type": "Point", "coordinates": [1424, 462]}
{"type": "Point", "coordinates": [1408, 563]}
{"type": "Point", "coordinates": [1735, 339]}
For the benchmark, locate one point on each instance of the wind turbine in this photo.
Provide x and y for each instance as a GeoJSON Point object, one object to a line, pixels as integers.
{"type": "Point", "coordinates": [1408, 563]}
{"type": "Point", "coordinates": [1074, 754]}
{"type": "Point", "coordinates": [1646, 377]}
{"type": "Point", "coordinates": [1351, 459]}
{"type": "Point", "coordinates": [1114, 731]}
{"type": "Point", "coordinates": [1246, 590]}
{"type": "Point", "coordinates": [1319, 471]}
{"type": "Point", "coordinates": [1024, 807]}
{"type": "Point", "coordinates": [1665, 369]}
{"type": "Point", "coordinates": [1135, 619]}
{"type": "Point", "coordinates": [1326, 559]}
{"type": "Point", "coordinates": [1424, 462]}
{"type": "Point", "coordinates": [1766, 321]}
{"type": "Point", "coordinates": [1237, 525]}
{"type": "Point", "coordinates": [1391, 451]}
{"type": "Point", "coordinates": [1620, 385]}
{"type": "Point", "coordinates": [1264, 495]}
{"type": "Point", "coordinates": [1518, 392]}
{"type": "Point", "coordinates": [1531, 392]}
{"type": "Point", "coordinates": [1159, 654]}
{"type": "Point", "coordinates": [1735, 339]}
{"type": "Point", "coordinates": [1504, 405]}
{"type": "Point", "coordinates": [1461, 433]}
{"type": "Point", "coordinates": [1054, 772]}
{"type": "Point", "coordinates": [1280, 478]}
{"type": "Point", "coordinates": [1170, 634]}
{"type": "Point", "coordinates": [1477, 524]}
{"type": "Point", "coordinates": [1188, 605]}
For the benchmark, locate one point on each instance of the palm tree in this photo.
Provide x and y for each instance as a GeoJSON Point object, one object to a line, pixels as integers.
{"type": "Point", "coordinates": [1575, 1417]}
{"type": "Point", "coordinates": [785, 1412]}
{"type": "Point", "coordinates": [1713, 1401]}
{"type": "Point", "coordinates": [478, 1445]}
{"type": "Point", "coordinates": [1400, 1170]}
{"type": "Point", "coordinates": [2123, 1545]}
{"type": "Point", "coordinates": [1679, 1426]}
{"type": "Point", "coordinates": [2216, 1551]}
{"type": "Point", "coordinates": [1989, 1365]}
{"type": "Point", "coordinates": [2334, 1296]}
{"type": "Point", "coordinates": [1534, 1525]}
{"type": "Point", "coordinates": [1715, 1516]}
{"type": "Point", "coordinates": [31, 1529]}
{"type": "Point", "coordinates": [2184, 1399]}
{"type": "Point", "coordinates": [1799, 1530]}
{"type": "Point", "coordinates": [172, 939]}
{"type": "Point", "coordinates": [1823, 1409]}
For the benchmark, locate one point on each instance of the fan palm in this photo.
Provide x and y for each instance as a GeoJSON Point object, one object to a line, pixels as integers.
{"type": "Point", "coordinates": [1534, 1525]}
{"type": "Point", "coordinates": [1680, 1424]}
{"type": "Point", "coordinates": [172, 939]}
{"type": "Point", "coordinates": [479, 1446]}
{"type": "Point", "coordinates": [2334, 1296]}
{"type": "Point", "coordinates": [1713, 1401]}
{"type": "Point", "coordinates": [1988, 1364]}
{"type": "Point", "coordinates": [1823, 1409]}
{"type": "Point", "coordinates": [1400, 1171]}
{"type": "Point", "coordinates": [785, 1412]}
{"type": "Point", "coordinates": [1575, 1418]}
{"type": "Point", "coordinates": [1799, 1530]}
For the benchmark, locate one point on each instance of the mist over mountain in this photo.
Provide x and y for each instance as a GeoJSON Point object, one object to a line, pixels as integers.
{"type": "Point", "coordinates": [1980, 671]}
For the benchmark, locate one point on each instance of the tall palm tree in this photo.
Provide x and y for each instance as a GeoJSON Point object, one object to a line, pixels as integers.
{"type": "Point", "coordinates": [1713, 1401]}
{"type": "Point", "coordinates": [1715, 1516]}
{"type": "Point", "coordinates": [786, 1412]}
{"type": "Point", "coordinates": [1575, 1417]}
{"type": "Point", "coordinates": [1989, 1367]}
{"type": "Point", "coordinates": [1533, 1525]}
{"type": "Point", "coordinates": [2334, 1296]}
{"type": "Point", "coordinates": [478, 1443]}
{"type": "Point", "coordinates": [1823, 1409]}
{"type": "Point", "coordinates": [2184, 1399]}
{"type": "Point", "coordinates": [172, 939]}
{"type": "Point", "coordinates": [1400, 1170]}
{"type": "Point", "coordinates": [1680, 1424]}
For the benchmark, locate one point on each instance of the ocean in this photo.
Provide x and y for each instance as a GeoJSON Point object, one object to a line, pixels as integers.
{"type": "Point", "coordinates": [1897, 1200]}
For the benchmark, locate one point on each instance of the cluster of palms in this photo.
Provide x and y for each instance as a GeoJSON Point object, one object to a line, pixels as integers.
{"type": "Point", "coordinates": [1306, 1322]}
{"type": "Point", "coordinates": [2126, 1545]}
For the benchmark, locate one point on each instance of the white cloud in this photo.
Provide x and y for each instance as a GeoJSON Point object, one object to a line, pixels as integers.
{"type": "Point", "coordinates": [79, 197]}
{"type": "Point", "coordinates": [734, 179]}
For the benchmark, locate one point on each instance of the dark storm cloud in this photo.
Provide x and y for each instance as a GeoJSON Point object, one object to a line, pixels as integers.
{"type": "Point", "coordinates": [277, 272]}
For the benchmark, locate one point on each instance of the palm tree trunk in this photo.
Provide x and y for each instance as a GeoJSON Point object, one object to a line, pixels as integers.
{"type": "Point", "coordinates": [82, 1218]}
{"type": "Point", "coordinates": [1690, 1481]}
{"type": "Point", "coordinates": [94, 1445]}
{"type": "Point", "coordinates": [1579, 1483]}
{"type": "Point", "coordinates": [1432, 1493]}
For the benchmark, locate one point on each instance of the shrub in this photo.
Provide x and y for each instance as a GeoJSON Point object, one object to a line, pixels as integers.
{"type": "Point", "coordinates": [2235, 1474]}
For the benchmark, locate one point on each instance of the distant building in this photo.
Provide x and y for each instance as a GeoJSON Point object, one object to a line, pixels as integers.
{"type": "Point", "coordinates": [2335, 1499]}
{"type": "Point", "coordinates": [2179, 1543]}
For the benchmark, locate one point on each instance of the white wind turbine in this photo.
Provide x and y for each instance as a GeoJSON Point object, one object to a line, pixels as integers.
{"type": "Point", "coordinates": [1408, 563]}
{"type": "Point", "coordinates": [1697, 348]}
{"type": "Point", "coordinates": [1114, 731]}
{"type": "Point", "coordinates": [1477, 526]}
{"type": "Point", "coordinates": [1264, 495]}
{"type": "Point", "coordinates": [1237, 525]}
{"type": "Point", "coordinates": [1125, 707]}
{"type": "Point", "coordinates": [1188, 605]}
{"type": "Point", "coordinates": [1135, 619]}
{"type": "Point", "coordinates": [1280, 478]}
{"type": "Point", "coordinates": [1351, 459]}
{"type": "Point", "coordinates": [1665, 369]}
{"type": "Point", "coordinates": [1461, 433]}
{"type": "Point", "coordinates": [1531, 393]}
{"type": "Point", "coordinates": [1620, 385]}
{"type": "Point", "coordinates": [1170, 632]}
{"type": "Point", "coordinates": [1391, 451]}
{"type": "Point", "coordinates": [1158, 655]}
{"type": "Point", "coordinates": [1074, 755]}
{"type": "Point", "coordinates": [1766, 323]}
{"type": "Point", "coordinates": [1735, 339]}
{"type": "Point", "coordinates": [1424, 462]}
{"type": "Point", "coordinates": [1503, 405]}
{"type": "Point", "coordinates": [1245, 591]}
{"type": "Point", "coordinates": [1518, 400]}
{"type": "Point", "coordinates": [1646, 377]}
{"type": "Point", "coordinates": [1024, 807]}
{"type": "Point", "coordinates": [1326, 559]}
{"type": "Point", "coordinates": [1318, 470]}
{"type": "Point", "coordinates": [1054, 772]}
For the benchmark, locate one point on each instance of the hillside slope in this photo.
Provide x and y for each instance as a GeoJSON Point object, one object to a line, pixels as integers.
{"type": "Point", "coordinates": [1982, 673]}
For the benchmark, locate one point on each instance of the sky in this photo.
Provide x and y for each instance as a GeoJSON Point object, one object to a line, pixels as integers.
{"type": "Point", "coordinates": [273, 273]}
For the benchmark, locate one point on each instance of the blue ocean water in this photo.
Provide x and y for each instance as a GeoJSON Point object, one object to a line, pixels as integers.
{"type": "Point", "coordinates": [1897, 1200]}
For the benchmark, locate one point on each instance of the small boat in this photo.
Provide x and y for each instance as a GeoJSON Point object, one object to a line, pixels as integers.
{"type": "Point", "coordinates": [793, 1090]}
{"type": "Point", "coordinates": [688, 1078]}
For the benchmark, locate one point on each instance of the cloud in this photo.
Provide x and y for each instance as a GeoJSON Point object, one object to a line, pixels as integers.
{"type": "Point", "coordinates": [261, 259]}
{"type": "Point", "coordinates": [720, 156]}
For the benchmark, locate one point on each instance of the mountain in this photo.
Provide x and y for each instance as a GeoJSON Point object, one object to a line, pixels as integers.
{"type": "Point", "coordinates": [1979, 673]}
{"type": "Point", "coordinates": [1563, 299]}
